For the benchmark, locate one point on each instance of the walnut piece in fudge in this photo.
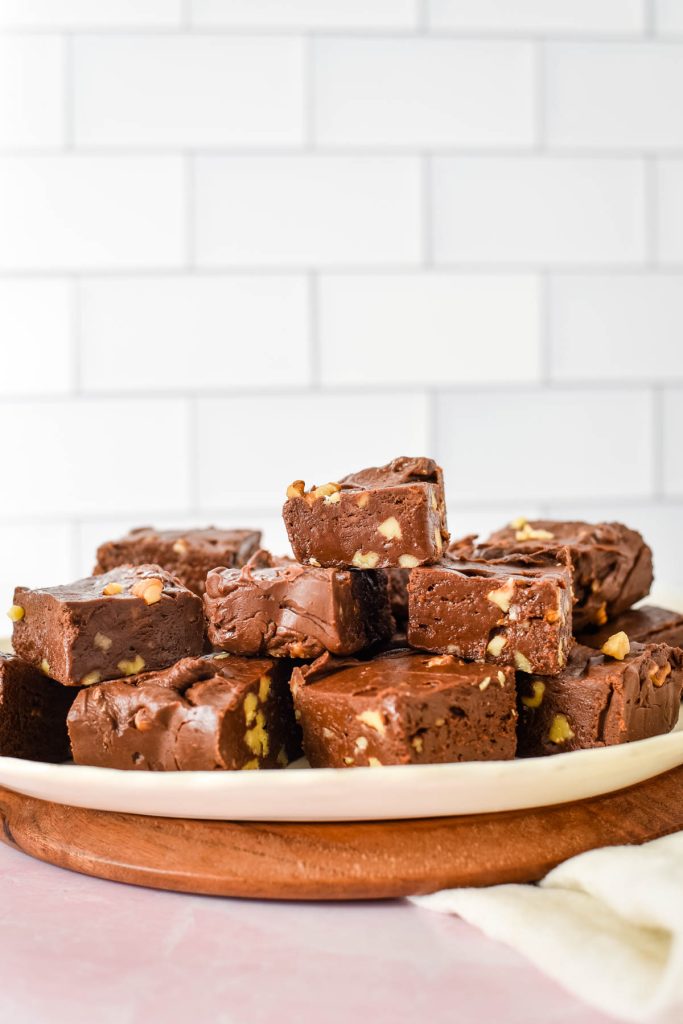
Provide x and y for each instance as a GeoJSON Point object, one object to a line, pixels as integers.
{"type": "Point", "coordinates": [612, 565]}
{"type": "Point", "coordinates": [109, 626]}
{"type": "Point", "coordinates": [404, 709]}
{"type": "Point", "coordinates": [202, 714]}
{"type": "Point", "coordinates": [600, 700]}
{"type": "Point", "coordinates": [393, 515]}
{"type": "Point", "coordinates": [507, 615]}
{"type": "Point", "coordinates": [296, 611]}
{"type": "Point", "coordinates": [33, 713]}
{"type": "Point", "coordinates": [187, 554]}
{"type": "Point", "coordinates": [645, 625]}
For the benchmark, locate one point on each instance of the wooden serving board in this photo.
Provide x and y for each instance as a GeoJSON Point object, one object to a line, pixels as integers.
{"type": "Point", "coordinates": [336, 861]}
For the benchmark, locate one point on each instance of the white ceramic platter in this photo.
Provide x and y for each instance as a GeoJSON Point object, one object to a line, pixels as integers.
{"type": "Point", "coordinates": [350, 794]}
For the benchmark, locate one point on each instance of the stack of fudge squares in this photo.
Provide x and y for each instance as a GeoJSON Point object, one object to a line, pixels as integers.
{"type": "Point", "coordinates": [379, 643]}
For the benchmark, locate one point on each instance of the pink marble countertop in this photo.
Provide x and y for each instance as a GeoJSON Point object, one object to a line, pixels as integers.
{"type": "Point", "coordinates": [80, 950]}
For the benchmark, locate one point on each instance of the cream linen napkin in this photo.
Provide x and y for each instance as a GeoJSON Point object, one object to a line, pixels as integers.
{"type": "Point", "coordinates": [607, 925]}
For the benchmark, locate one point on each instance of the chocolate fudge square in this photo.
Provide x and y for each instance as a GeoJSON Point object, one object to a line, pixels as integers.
{"type": "Point", "coordinates": [202, 714]}
{"type": "Point", "coordinates": [186, 554]}
{"type": "Point", "coordinates": [612, 565]}
{"type": "Point", "coordinates": [506, 615]}
{"type": "Point", "coordinates": [600, 700]}
{"type": "Point", "coordinates": [404, 709]}
{"type": "Point", "coordinates": [296, 611]}
{"type": "Point", "coordinates": [645, 625]}
{"type": "Point", "coordinates": [33, 712]}
{"type": "Point", "coordinates": [105, 627]}
{"type": "Point", "coordinates": [393, 515]}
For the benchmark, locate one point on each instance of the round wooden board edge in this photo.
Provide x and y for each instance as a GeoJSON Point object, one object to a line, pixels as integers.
{"type": "Point", "coordinates": [336, 860]}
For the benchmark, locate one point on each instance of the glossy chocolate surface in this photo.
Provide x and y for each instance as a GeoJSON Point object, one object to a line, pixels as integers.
{"type": "Point", "coordinates": [612, 564]}
{"type": "Point", "coordinates": [393, 515]}
{"type": "Point", "coordinates": [645, 625]}
{"type": "Point", "coordinates": [404, 708]}
{"type": "Point", "coordinates": [503, 614]}
{"type": "Point", "coordinates": [187, 554]}
{"type": "Point", "coordinates": [599, 701]}
{"type": "Point", "coordinates": [203, 714]}
{"type": "Point", "coordinates": [297, 611]}
{"type": "Point", "coordinates": [79, 634]}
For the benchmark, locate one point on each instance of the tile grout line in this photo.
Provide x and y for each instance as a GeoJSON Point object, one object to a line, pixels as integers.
{"type": "Point", "coordinates": [651, 205]}
{"type": "Point", "coordinates": [495, 268]}
{"type": "Point", "coordinates": [76, 331]}
{"type": "Point", "coordinates": [658, 440]}
{"type": "Point", "coordinates": [314, 339]}
{"type": "Point", "coordinates": [540, 117]}
{"type": "Point", "coordinates": [358, 389]}
{"type": "Point", "coordinates": [432, 423]}
{"type": "Point", "coordinates": [193, 478]}
{"type": "Point", "coordinates": [189, 197]}
{"type": "Point", "coordinates": [545, 340]}
{"type": "Point", "coordinates": [351, 33]}
{"type": "Point", "coordinates": [426, 210]}
{"type": "Point", "coordinates": [308, 95]}
{"type": "Point", "coordinates": [69, 92]}
{"type": "Point", "coordinates": [81, 518]}
{"type": "Point", "coordinates": [75, 542]}
{"type": "Point", "coordinates": [389, 152]}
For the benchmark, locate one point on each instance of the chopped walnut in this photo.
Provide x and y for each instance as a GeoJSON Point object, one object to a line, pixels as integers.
{"type": "Point", "coordinates": [560, 730]}
{"type": "Point", "coordinates": [496, 645]}
{"type": "Point", "coordinates": [390, 528]}
{"type": "Point", "coordinates": [525, 531]}
{"type": "Point", "coordinates": [296, 489]}
{"type": "Point", "coordinates": [149, 589]}
{"type": "Point", "coordinates": [522, 662]}
{"type": "Point", "coordinates": [373, 720]}
{"type": "Point", "coordinates": [442, 659]}
{"type": "Point", "coordinates": [408, 561]}
{"type": "Point", "coordinates": [617, 646]}
{"type": "Point", "coordinates": [368, 560]}
{"type": "Point", "coordinates": [535, 701]}
{"type": "Point", "coordinates": [503, 595]}
{"type": "Point", "coordinates": [131, 667]}
{"type": "Point", "coordinates": [659, 674]}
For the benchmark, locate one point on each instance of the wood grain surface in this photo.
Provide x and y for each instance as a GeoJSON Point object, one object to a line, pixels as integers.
{"type": "Point", "coordinates": [336, 861]}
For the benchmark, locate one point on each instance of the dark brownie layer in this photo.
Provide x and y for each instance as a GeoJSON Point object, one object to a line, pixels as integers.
{"type": "Point", "coordinates": [397, 582]}
{"type": "Point", "coordinates": [33, 712]}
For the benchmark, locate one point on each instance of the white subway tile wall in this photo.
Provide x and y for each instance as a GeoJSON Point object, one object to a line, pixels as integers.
{"type": "Point", "coordinates": [614, 96]}
{"type": "Point", "coordinates": [423, 92]}
{"type": "Point", "coordinates": [245, 241]}
{"type": "Point", "coordinates": [545, 210]}
{"type": "Point", "coordinates": [307, 211]}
